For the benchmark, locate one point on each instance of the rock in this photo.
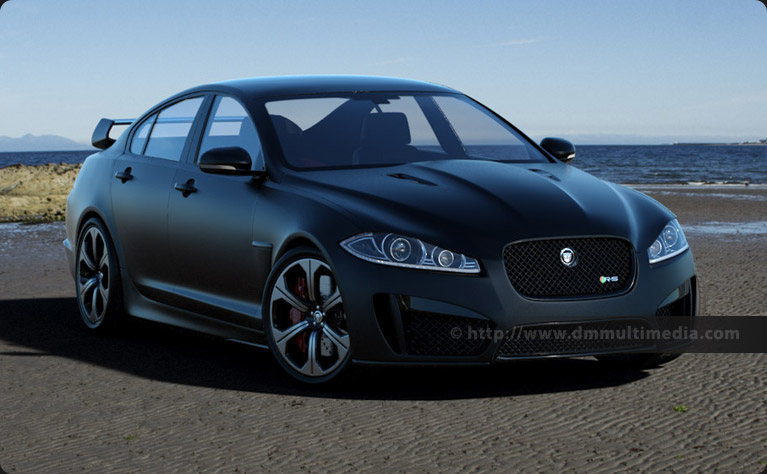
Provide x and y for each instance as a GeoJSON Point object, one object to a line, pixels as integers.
{"type": "Point", "coordinates": [35, 191]}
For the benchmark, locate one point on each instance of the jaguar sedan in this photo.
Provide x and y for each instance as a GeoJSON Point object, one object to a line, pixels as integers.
{"type": "Point", "coordinates": [368, 220]}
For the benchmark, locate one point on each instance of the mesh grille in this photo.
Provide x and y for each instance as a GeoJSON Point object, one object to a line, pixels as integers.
{"type": "Point", "coordinates": [683, 306]}
{"type": "Point", "coordinates": [669, 310]}
{"type": "Point", "coordinates": [571, 339]}
{"type": "Point", "coordinates": [535, 268]}
{"type": "Point", "coordinates": [678, 315]}
{"type": "Point", "coordinates": [680, 307]}
{"type": "Point", "coordinates": [433, 334]}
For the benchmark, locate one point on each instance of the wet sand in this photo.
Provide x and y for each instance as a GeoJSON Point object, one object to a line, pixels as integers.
{"type": "Point", "coordinates": [156, 399]}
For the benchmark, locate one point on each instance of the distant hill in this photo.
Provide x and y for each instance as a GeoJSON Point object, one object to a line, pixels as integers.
{"type": "Point", "coordinates": [31, 142]}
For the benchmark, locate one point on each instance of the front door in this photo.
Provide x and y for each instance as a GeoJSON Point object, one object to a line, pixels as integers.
{"type": "Point", "coordinates": [220, 271]}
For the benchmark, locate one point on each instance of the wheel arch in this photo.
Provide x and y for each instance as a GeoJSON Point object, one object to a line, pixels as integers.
{"type": "Point", "coordinates": [295, 241]}
{"type": "Point", "coordinates": [88, 214]}
{"type": "Point", "coordinates": [93, 212]}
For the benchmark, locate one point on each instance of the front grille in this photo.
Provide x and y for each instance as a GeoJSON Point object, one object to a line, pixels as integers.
{"type": "Point", "coordinates": [568, 339]}
{"type": "Point", "coordinates": [433, 334]}
{"type": "Point", "coordinates": [535, 268]}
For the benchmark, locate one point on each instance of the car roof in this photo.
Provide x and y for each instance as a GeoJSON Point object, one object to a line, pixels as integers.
{"type": "Point", "coordinates": [297, 85]}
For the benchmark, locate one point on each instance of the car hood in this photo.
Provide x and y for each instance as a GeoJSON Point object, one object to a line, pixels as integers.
{"type": "Point", "coordinates": [475, 205]}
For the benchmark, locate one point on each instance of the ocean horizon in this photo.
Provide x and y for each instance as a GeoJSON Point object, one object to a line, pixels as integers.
{"type": "Point", "coordinates": [625, 164]}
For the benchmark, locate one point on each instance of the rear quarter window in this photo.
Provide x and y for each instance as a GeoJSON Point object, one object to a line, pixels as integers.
{"type": "Point", "coordinates": [139, 138]}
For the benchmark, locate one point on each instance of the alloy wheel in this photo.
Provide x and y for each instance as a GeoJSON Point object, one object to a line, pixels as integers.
{"type": "Point", "coordinates": [306, 319]}
{"type": "Point", "coordinates": [94, 277]}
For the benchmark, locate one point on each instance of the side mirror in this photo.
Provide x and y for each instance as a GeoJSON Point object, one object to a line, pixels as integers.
{"type": "Point", "coordinates": [561, 149]}
{"type": "Point", "coordinates": [226, 160]}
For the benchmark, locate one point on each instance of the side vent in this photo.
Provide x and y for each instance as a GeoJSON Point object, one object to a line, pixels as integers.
{"type": "Point", "coordinates": [411, 178]}
{"type": "Point", "coordinates": [385, 306]}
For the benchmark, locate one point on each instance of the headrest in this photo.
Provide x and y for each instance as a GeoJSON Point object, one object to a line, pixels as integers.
{"type": "Point", "coordinates": [284, 126]}
{"type": "Point", "coordinates": [386, 129]}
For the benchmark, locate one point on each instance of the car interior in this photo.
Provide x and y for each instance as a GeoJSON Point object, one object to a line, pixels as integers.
{"type": "Point", "coordinates": [360, 133]}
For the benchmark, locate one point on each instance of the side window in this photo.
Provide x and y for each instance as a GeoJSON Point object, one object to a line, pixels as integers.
{"type": "Point", "coordinates": [171, 129]}
{"type": "Point", "coordinates": [230, 125]}
{"type": "Point", "coordinates": [139, 138]}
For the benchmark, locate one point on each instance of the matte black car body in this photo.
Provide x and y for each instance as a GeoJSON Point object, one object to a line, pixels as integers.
{"type": "Point", "coordinates": [202, 261]}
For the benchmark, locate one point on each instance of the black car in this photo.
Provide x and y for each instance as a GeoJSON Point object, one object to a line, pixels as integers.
{"type": "Point", "coordinates": [340, 219]}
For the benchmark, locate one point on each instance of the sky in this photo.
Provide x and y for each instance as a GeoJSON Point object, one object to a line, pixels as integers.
{"type": "Point", "coordinates": [596, 71]}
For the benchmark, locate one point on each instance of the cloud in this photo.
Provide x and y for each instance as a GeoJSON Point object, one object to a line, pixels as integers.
{"type": "Point", "coordinates": [516, 42]}
{"type": "Point", "coordinates": [731, 102]}
{"type": "Point", "coordinates": [751, 99]}
{"type": "Point", "coordinates": [403, 59]}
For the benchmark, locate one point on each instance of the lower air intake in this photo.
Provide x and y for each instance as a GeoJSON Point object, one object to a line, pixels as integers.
{"type": "Point", "coordinates": [571, 339]}
{"type": "Point", "coordinates": [434, 334]}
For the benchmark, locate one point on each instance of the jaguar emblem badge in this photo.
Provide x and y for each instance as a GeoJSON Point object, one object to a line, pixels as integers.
{"type": "Point", "coordinates": [568, 257]}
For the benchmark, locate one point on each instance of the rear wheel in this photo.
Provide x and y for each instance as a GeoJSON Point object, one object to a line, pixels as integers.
{"type": "Point", "coordinates": [97, 284]}
{"type": "Point", "coordinates": [304, 317]}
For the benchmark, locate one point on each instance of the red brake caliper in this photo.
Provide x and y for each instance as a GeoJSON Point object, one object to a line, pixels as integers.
{"type": "Point", "coordinates": [297, 316]}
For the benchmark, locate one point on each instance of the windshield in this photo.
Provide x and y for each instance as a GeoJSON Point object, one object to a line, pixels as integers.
{"type": "Point", "coordinates": [382, 128]}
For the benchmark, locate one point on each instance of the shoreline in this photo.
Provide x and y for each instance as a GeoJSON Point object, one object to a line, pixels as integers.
{"type": "Point", "coordinates": [719, 144]}
{"type": "Point", "coordinates": [696, 185]}
{"type": "Point", "coordinates": [38, 193]}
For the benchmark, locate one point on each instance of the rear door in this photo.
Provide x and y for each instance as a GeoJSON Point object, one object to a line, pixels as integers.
{"type": "Point", "coordinates": [220, 270]}
{"type": "Point", "coordinates": [144, 177]}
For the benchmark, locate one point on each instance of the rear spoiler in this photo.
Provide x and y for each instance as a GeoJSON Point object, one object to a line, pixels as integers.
{"type": "Point", "coordinates": [100, 138]}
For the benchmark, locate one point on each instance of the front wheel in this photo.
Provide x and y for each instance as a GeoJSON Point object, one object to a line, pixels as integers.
{"type": "Point", "coordinates": [304, 318]}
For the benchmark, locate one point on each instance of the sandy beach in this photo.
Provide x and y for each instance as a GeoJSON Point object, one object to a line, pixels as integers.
{"type": "Point", "coordinates": [156, 399]}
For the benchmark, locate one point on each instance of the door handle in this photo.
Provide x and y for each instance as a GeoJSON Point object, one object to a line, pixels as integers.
{"type": "Point", "coordinates": [124, 175]}
{"type": "Point", "coordinates": [186, 188]}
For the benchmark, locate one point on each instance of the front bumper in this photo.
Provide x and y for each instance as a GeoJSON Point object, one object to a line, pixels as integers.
{"type": "Point", "coordinates": [383, 303]}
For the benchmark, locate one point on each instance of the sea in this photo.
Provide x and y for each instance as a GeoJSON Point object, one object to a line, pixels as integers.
{"type": "Point", "coordinates": [625, 164]}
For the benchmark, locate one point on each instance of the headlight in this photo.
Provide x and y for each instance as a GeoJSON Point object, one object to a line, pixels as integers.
{"type": "Point", "coordinates": [401, 251]}
{"type": "Point", "coordinates": [669, 243]}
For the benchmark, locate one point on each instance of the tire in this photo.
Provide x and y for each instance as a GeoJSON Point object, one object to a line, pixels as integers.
{"type": "Point", "coordinates": [98, 284]}
{"type": "Point", "coordinates": [637, 361]}
{"type": "Point", "coordinates": [304, 320]}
